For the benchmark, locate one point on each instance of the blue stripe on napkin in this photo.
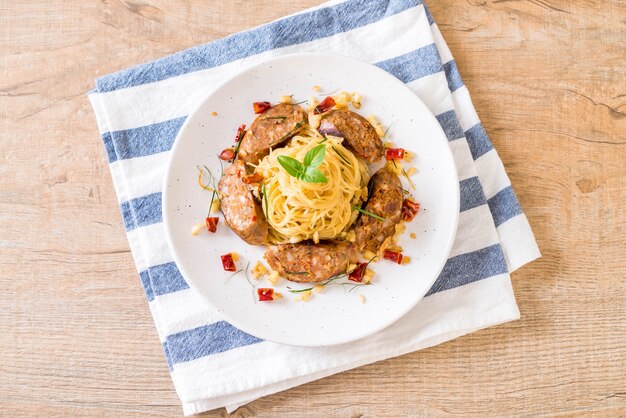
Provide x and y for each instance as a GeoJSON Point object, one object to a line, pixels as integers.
{"type": "Point", "coordinates": [206, 340]}
{"type": "Point", "coordinates": [142, 211]}
{"type": "Point", "coordinates": [471, 267]}
{"type": "Point", "coordinates": [289, 31]}
{"type": "Point", "coordinates": [450, 124]}
{"type": "Point", "coordinates": [416, 64]}
{"type": "Point", "coordinates": [504, 206]}
{"type": "Point", "coordinates": [478, 141]}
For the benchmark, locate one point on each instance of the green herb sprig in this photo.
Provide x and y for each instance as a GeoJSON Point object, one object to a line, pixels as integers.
{"type": "Point", "coordinates": [368, 213]}
{"type": "Point", "coordinates": [306, 170]}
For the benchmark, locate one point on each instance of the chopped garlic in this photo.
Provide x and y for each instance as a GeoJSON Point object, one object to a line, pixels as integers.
{"type": "Point", "coordinates": [312, 103]}
{"type": "Point", "coordinates": [412, 235]}
{"type": "Point", "coordinates": [319, 288]}
{"type": "Point", "coordinates": [316, 237]}
{"type": "Point", "coordinates": [356, 100]}
{"type": "Point", "coordinates": [408, 156]}
{"type": "Point", "coordinates": [342, 100]}
{"type": "Point", "coordinates": [277, 296]}
{"type": "Point", "coordinates": [196, 228]}
{"type": "Point", "coordinates": [304, 296]}
{"type": "Point", "coordinates": [380, 131]}
{"type": "Point", "coordinates": [394, 167]}
{"type": "Point", "coordinates": [351, 268]}
{"type": "Point", "coordinates": [316, 88]}
{"type": "Point", "coordinates": [235, 256]}
{"type": "Point", "coordinates": [285, 99]}
{"type": "Point", "coordinates": [315, 120]}
{"type": "Point", "coordinates": [406, 259]}
{"type": "Point", "coordinates": [215, 206]}
{"type": "Point", "coordinates": [411, 171]}
{"type": "Point", "coordinates": [351, 236]}
{"type": "Point", "coordinates": [368, 255]}
{"type": "Point", "coordinates": [273, 278]}
{"type": "Point", "coordinates": [368, 276]}
{"type": "Point", "coordinates": [389, 144]}
{"type": "Point", "coordinates": [362, 298]}
{"type": "Point", "coordinates": [258, 270]}
{"type": "Point", "coordinates": [213, 113]}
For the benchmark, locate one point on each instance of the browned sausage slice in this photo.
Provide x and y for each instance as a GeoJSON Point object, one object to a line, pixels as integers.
{"type": "Point", "coordinates": [385, 200]}
{"type": "Point", "coordinates": [271, 128]}
{"type": "Point", "coordinates": [242, 213]}
{"type": "Point", "coordinates": [307, 262]}
{"type": "Point", "coordinates": [358, 133]}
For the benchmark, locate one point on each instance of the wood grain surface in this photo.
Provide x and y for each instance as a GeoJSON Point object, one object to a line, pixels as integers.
{"type": "Point", "coordinates": [548, 79]}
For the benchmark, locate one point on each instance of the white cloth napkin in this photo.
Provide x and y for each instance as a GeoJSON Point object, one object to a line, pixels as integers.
{"type": "Point", "coordinates": [139, 112]}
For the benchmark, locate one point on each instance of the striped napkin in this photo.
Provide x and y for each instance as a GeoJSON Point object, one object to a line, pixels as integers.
{"type": "Point", "coordinates": [139, 112]}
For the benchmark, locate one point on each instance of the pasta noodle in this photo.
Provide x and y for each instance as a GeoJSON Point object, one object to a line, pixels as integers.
{"type": "Point", "coordinates": [297, 210]}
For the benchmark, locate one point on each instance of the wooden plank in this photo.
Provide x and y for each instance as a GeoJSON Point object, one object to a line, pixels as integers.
{"type": "Point", "coordinates": [549, 81]}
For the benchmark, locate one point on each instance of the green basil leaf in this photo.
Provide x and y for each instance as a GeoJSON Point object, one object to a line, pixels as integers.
{"type": "Point", "coordinates": [315, 156]}
{"type": "Point", "coordinates": [313, 175]}
{"type": "Point", "coordinates": [291, 165]}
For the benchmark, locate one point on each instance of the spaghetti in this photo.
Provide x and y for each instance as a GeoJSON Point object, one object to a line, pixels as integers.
{"type": "Point", "coordinates": [297, 210]}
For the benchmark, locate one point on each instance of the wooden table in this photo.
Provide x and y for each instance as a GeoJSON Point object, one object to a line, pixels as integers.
{"type": "Point", "coordinates": [76, 338]}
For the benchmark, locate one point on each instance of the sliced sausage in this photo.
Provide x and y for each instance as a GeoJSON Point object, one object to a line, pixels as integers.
{"type": "Point", "coordinates": [385, 200]}
{"type": "Point", "coordinates": [307, 262]}
{"type": "Point", "coordinates": [358, 133]}
{"type": "Point", "coordinates": [270, 129]}
{"type": "Point", "coordinates": [242, 213]}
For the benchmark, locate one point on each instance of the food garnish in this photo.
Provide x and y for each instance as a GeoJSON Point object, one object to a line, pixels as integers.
{"type": "Point", "coordinates": [324, 106]}
{"type": "Point", "coordinates": [394, 256]}
{"type": "Point", "coordinates": [260, 107]}
{"type": "Point", "coordinates": [211, 223]}
{"type": "Point", "coordinates": [265, 294]}
{"type": "Point", "coordinates": [394, 153]}
{"type": "Point", "coordinates": [307, 170]}
{"type": "Point", "coordinates": [241, 131]}
{"type": "Point", "coordinates": [368, 213]}
{"type": "Point", "coordinates": [409, 209]}
{"type": "Point", "coordinates": [341, 155]}
{"type": "Point", "coordinates": [227, 155]}
{"type": "Point", "coordinates": [228, 263]}
{"type": "Point", "coordinates": [252, 178]}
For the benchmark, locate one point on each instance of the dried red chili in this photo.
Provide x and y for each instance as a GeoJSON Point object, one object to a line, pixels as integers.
{"type": "Point", "coordinates": [265, 293]}
{"type": "Point", "coordinates": [394, 256]}
{"type": "Point", "coordinates": [228, 263]}
{"type": "Point", "coordinates": [252, 178]}
{"type": "Point", "coordinates": [260, 107]}
{"type": "Point", "coordinates": [409, 209]}
{"type": "Point", "coordinates": [227, 155]}
{"type": "Point", "coordinates": [241, 131]}
{"type": "Point", "coordinates": [211, 223]}
{"type": "Point", "coordinates": [357, 273]}
{"type": "Point", "coordinates": [324, 106]}
{"type": "Point", "coordinates": [394, 153]}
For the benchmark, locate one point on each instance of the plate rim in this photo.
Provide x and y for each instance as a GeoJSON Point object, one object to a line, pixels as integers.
{"type": "Point", "coordinates": [168, 173]}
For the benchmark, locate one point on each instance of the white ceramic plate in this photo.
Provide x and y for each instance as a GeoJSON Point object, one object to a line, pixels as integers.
{"type": "Point", "coordinates": [335, 316]}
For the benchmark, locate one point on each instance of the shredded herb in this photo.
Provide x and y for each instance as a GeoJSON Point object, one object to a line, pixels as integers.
{"type": "Point", "coordinates": [213, 180]}
{"type": "Point", "coordinates": [328, 94]}
{"type": "Point", "coordinates": [323, 140]}
{"type": "Point", "coordinates": [339, 276]}
{"type": "Point", "coordinates": [408, 179]}
{"type": "Point", "coordinates": [365, 212]}
{"type": "Point", "coordinates": [211, 205]}
{"type": "Point", "coordinates": [297, 272]}
{"type": "Point", "coordinates": [304, 101]}
{"type": "Point", "coordinates": [276, 117]}
{"type": "Point", "coordinates": [264, 191]}
{"type": "Point", "coordinates": [341, 155]}
{"type": "Point", "coordinates": [233, 275]}
{"type": "Point", "coordinates": [291, 132]}
{"type": "Point", "coordinates": [251, 284]}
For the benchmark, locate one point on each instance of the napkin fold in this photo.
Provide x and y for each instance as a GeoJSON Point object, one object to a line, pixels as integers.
{"type": "Point", "coordinates": [139, 112]}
